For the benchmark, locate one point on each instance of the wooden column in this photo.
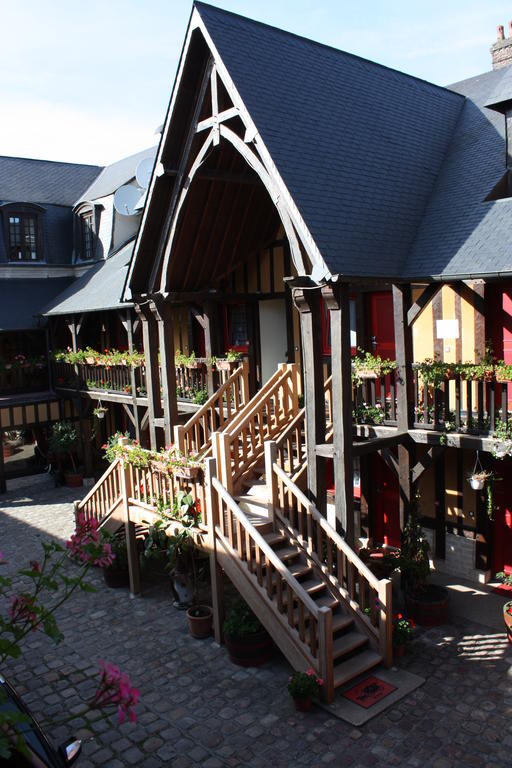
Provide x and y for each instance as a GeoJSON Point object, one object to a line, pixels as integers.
{"type": "Point", "coordinates": [164, 315]}
{"type": "Point", "coordinates": [307, 301]}
{"type": "Point", "coordinates": [128, 325]}
{"type": "Point", "coordinates": [150, 342]}
{"type": "Point", "coordinates": [337, 300]}
{"type": "Point", "coordinates": [216, 575]}
{"type": "Point", "coordinates": [404, 392]}
{"type": "Point", "coordinates": [208, 347]}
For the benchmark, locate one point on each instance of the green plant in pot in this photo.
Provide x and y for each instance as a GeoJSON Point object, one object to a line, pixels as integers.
{"type": "Point", "coordinates": [64, 442]}
{"type": "Point", "coordinates": [427, 604]}
{"type": "Point", "coordinates": [303, 687]}
{"type": "Point", "coordinates": [247, 642]}
{"type": "Point", "coordinates": [506, 578]}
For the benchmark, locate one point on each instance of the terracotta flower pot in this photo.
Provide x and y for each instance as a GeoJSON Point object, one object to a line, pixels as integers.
{"type": "Point", "coordinates": [73, 479]}
{"type": "Point", "coordinates": [507, 615]}
{"type": "Point", "coordinates": [186, 473]}
{"type": "Point", "coordinates": [430, 608]}
{"type": "Point", "coordinates": [7, 450]}
{"type": "Point", "coordinates": [200, 621]}
{"type": "Point", "coordinates": [302, 705]}
{"type": "Point", "coordinates": [399, 650]}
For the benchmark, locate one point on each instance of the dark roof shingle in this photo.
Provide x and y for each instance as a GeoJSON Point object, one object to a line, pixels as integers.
{"type": "Point", "coordinates": [43, 181]}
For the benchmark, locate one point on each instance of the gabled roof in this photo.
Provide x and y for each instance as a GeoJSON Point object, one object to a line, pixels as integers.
{"type": "Point", "coordinates": [115, 175]}
{"type": "Point", "coordinates": [23, 180]}
{"type": "Point", "coordinates": [100, 287]}
{"type": "Point", "coordinates": [461, 233]}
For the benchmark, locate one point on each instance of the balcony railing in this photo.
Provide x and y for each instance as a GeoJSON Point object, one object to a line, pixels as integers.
{"type": "Point", "coordinates": [21, 379]}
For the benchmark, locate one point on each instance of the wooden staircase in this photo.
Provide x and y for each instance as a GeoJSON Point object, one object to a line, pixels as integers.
{"type": "Point", "coordinates": [322, 606]}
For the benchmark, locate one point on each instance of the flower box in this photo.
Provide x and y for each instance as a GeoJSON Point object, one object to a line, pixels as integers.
{"type": "Point", "coordinates": [226, 365]}
{"type": "Point", "coordinates": [186, 473]}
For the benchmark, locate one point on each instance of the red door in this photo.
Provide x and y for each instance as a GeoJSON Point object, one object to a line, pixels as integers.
{"type": "Point", "coordinates": [381, 330]}
{"type": "Point", "coordinates": [499, 301]}
{"type": "Point", "coordinates": [386, 522]}
{"type": "Point", "coordinates": [502, 527]}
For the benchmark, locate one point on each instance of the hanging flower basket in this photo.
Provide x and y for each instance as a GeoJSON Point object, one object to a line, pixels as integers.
{"type": "Point", "coordinates": [477, 482]}
{"type": "Point", "coordinates": [100, 412]}
{"type": "Point", "coordinates": [226, 365]}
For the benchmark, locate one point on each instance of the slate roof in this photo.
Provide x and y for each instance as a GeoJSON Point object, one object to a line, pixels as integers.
{"type": "Point", "coordinates": [358, 145]}
{"type": "Point", "coordinates": [21, 301]}
{"type": "Point", "coordinates": [461, 234]}
{"type": "Point", "coordinates": [99, 288]}
{"type": "Point", "coordinates": [115, 175]}
{"type": "Point", "coordinates": [23, 180]}
{"type": "Point", "coordinates": [502, 94]}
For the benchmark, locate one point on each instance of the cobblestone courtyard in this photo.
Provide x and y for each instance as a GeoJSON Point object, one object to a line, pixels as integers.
{"type": "Point", "coordinates": [198, 709]}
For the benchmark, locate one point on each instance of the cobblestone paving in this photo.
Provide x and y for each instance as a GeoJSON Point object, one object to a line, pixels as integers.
{"type": "Point", "coordinates": [197, 709]}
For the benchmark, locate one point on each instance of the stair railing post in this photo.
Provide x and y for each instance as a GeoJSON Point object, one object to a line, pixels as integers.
{"type": "Point", "coordinates": [386, 621]}
{"type": "Point", "coordinates": [271, 478]}
{"type": "Point", "coordinates": [217, 584]}
{"type": "Point", "coordinates": [76, 511]}
{"type": "Point", "coordinates": [129, 526]}
{"type": "Point", "coordinates": [325, 654]}
{"type": "Point", "coordinates": [245, 382]}
{"type": "Point", "coordinates": [179, 437]}
{"type": "Point", "coordinates": [295, 387]}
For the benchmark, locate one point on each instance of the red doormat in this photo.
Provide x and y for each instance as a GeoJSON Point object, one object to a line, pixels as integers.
{"type": "Point", "coordinates": [503, 589]}
{"type": "Point", "coordinates": [369, 691]}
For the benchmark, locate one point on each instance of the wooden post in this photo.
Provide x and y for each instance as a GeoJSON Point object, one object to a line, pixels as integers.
{"type": "Point", "coordinates": [165, 317]}
{"type": "Point", "coordinates": [386, 621]}
{"type": "Point", "coordinates": [208, 349]}
{"type": "Point", "coordinates": [307, 302]}
{"type": "Point", "coordinates": [271, 479]}
{"type": "Point", "coordinates": [217, 583]}
{"type": "Point", "coordinates": [150, 341]}
{"type": "Point", "coordinates": [129, 527]}
{"type": "Point", "coordinates": [128, 326]}
{"type": "Point", "coordinates": [404, 392]}
{"type": "Point", "coordinates": [337, 300]}
{"type": "Point", "coordinates": [325, 653]}
{"type": "Point", "coordinates": [245, 382]}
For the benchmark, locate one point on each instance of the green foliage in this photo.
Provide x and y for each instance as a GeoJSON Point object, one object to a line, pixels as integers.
{"type": "Point", "coordinates": [241, 622]}
{"type": "Point", "coordinates": [304, 685]}
{"type": "Point", "coordinates": [414, 562]}
{"type": "Point", "coordinates": [368, 414]}
{"type": "Point", "coordinates": [64, 440]}
{"type": "Point", "coordinates": [505, 578]}
{"type": "Point", "coordinates": [364, 363]}
{"type": "Point", "coordinates": [233, 356]}
{"type": "Point", "coordinates": [112, 448]}
{"type": "Point", "coordinates": [402, 630]}
{"type": "Point", "coordinates": [200, 396]}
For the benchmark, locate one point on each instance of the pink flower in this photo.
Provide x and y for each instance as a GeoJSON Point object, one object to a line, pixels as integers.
{"type": "Point", "coordinates": [35, 566]}
{"type": "Point", "coordinates": [21, 609]}
{"type": "Point", "coordinates": [115, 688]}
{"type": "Point", "coordinates": [86, 546]}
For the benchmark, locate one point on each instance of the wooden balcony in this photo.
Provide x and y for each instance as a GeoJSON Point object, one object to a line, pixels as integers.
{"type": "Point", "coordinates": [15, 380]}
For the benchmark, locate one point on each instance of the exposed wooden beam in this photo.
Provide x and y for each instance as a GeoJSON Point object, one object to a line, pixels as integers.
{"type": "Point", "coordinates": [421, 302]}
{"type": "Point", "coordinates": [472, 296]}
{"type": "Point", "coordinates": [379, 443]}
{"type": "Point", "coordinates": [164, 314]}
{"type": "Point", "coordinates": [432, 455]}
{"type": "Point", "coordinates": [129, 413]}
{"type": "Point", "coordinates": [404, 391]}
{"type": "Point", "coordinates": [390, 460]}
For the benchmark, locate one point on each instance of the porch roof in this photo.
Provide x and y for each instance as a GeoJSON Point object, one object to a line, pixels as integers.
{"type": "Point", "coordinates": [100, 287]}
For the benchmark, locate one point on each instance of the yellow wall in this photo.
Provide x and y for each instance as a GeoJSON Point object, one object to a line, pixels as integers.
{"type": "Point", "coordinates": [424, 329]}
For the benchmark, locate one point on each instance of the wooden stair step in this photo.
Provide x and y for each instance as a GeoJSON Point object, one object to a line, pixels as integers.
{"type": "Point", "coordinates": [340, 621]}
{"type": "Point", "coordinates": [299, 569]}
{"type": "Point", "coordinates": [287, 553]}
{"type": "Point", "coordinates": [355, 666]}
{"type": "Point", "coordinates": [273, 537]}
{"type": "Point", "coordinates": [347, 643]}
{"type": "Point", "coordinates": [326, 601]}
{"type": "Point", "coordinates": [312, 586]}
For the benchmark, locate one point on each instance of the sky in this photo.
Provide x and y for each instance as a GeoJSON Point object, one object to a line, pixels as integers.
{"type": "Point", "coordinates": [90, 83]}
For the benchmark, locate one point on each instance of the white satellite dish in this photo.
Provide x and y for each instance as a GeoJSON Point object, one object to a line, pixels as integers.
{"type": "Point", "coordinates": [125, 200]}
{"type": "Point", "coordinates": [144, 171]}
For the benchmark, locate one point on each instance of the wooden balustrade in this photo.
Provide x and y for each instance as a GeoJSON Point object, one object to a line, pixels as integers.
{"type": "Point", "coordinates": [369, 598]}
{"type": "Point", "coordinates": [460, 405]}
{"type": "Point", "coordinates": [23, 379]}
{"type": "Point", "coordinates": [308, 626]}
{"type": "Point", "coordinates": [376, 393]}
{"type": "Point", "coordinates": [241, 445]}
{"type": "Point", "coordinates": [215, 414]}
{"type": "Point", "coordinates": [105, 496]}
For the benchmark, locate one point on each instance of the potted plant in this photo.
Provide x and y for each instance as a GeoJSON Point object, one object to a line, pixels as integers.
{"type": "Point", "coordinates": [247, 642]}
{"type": "Point", "coordinates": [428, 604]}
{"type": "Point", "coordinates": [503, 371]}
{"type": "Point", "coordinates": [64, 442]}
{"type": "Point", "coordinates": [229, 363]}
{"type": "Point", "coordinates": [506, 578]}
{"type": "Point", "coordinates": [303, 687]}
{"type": "Point", "coordinates": [368, 366]}
{"type": "Point", "coordinates": [402, 634]}
{"type": "Point", "coordinates": [116, 575]}
{"type": "Point", "coordinates": [381, 561]}
{"type": "Point", "coordinates": [479, 475]}
{"type": "Point", "coordinates": [99, 412]}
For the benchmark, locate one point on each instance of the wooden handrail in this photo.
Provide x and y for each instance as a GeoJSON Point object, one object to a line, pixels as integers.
{"type": "Point", "coordinates": [99, 482]}
{"type": "Point", "coordinates": [334, 556]}
{"type": "Point", "coordinates": [329, 530]}
{"type": "Point", "coordinates": [261, 395]}
{"type": "Point", "coordinates": [211, 415]}
{"type": "Point", "coordinates": [266, 549]}
{"type": "Point", "coordinates": [104, 496]}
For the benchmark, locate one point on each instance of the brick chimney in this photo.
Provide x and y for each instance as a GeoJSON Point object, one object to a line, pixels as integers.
{"type": "Point", "coordinates": [501, 50]}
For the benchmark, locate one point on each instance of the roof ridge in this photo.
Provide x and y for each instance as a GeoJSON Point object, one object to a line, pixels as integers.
{"type": "Point", "coordinates": [199, 4]}
{"type": "Point", "coordinates": [55, 162]}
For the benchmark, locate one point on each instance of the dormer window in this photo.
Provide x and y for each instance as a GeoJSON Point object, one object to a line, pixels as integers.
{"type": "Point", "coordinates": [87, 227]}
{"type": "Point", "coordinates": [22, 226]}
